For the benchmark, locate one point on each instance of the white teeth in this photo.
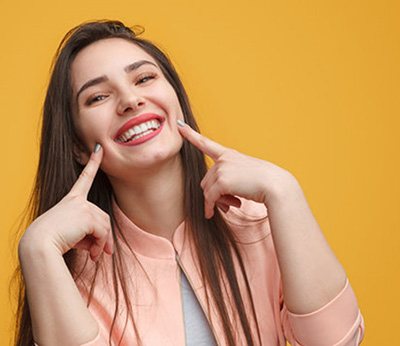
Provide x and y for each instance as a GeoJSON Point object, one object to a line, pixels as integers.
{"type": "Point", "coordinates": [139, 131]}
{"type": "Point", "coordinates": [144, 134]}
{"type": "Point", "coordinates": [130, 133]}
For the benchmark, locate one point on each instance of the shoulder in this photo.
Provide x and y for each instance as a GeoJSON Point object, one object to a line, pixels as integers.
{"type": "Point", "coordinates": [249, 222]}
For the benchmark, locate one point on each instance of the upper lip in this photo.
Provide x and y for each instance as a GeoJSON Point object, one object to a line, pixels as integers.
{"type": "Point", "coordinates": [136, 121]}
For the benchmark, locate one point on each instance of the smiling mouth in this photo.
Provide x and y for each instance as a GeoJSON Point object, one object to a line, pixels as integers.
{"type": "Point", "coordinates": [139, 131]}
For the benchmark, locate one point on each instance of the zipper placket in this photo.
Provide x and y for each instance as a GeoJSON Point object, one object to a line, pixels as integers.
{"type": "Point", "coordinates": [180, 289]}
{"type": "Point", "coordinates": [194, 292]}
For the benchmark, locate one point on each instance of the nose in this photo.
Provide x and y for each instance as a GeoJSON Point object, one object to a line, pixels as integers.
{"type": "Point", "coordinates": [129, 102]}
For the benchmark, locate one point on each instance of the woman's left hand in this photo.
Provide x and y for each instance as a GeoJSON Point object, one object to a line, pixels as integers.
{"type": "Point", "coordinates": [235, 174]}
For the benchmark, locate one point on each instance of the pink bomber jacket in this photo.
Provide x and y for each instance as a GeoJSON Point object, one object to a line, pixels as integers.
{"type": "Point", "coordinates": [155, 290]}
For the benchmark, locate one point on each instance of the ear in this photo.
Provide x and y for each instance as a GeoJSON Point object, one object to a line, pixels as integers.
{"type": "Point", "coordinates": [80, 154]}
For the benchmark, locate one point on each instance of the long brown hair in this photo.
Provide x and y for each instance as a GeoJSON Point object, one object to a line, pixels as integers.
{"type": "Point", "coordinates": [58, 170]}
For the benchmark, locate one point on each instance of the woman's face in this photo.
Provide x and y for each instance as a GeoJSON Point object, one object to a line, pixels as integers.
{"type": "Point", "coordinates": [123, 101]}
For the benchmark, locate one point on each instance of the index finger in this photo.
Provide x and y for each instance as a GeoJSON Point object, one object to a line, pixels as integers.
{"type": "Point", "coordinates": [84, 183]}
{"type": "Point", "coordinates": [206, 145]}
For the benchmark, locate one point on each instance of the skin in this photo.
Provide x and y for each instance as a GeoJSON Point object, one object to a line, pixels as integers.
{"type": "Point", "coordinates": [151, 174]}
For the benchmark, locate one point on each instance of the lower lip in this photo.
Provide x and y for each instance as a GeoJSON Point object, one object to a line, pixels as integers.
{"type": "Point", "coordinates": [144, 138]}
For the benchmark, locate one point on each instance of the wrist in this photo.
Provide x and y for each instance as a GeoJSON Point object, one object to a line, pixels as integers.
{"type": "Point", "coordinates": [287, 185]}
{"type": "Point", "coordinates": [31, 247]}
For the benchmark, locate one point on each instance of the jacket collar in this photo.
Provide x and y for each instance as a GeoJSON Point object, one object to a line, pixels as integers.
{"type": "Point", "coordinates": [146, 243]}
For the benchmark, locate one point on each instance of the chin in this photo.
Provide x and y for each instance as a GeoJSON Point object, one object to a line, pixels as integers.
{"type": "Point", "coordinates": [162, 157]}
{"type": "Point", "coordinates": [155, 159]}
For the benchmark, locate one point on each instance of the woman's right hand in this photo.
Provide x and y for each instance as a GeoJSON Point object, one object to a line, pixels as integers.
{"type": "Point", "coordinates": [74, 222]}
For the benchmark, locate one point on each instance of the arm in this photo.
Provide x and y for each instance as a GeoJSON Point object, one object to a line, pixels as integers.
{"type": "Point", "coordinates": [317, 303]}
{"type": "Point", "coordinates": [58, 313]}
{"type": "Point", "coordinates": [311, 274]}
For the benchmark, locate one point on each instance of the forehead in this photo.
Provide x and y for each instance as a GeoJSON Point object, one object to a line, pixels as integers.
{"type": "Point", "coordinates": [105, 57]}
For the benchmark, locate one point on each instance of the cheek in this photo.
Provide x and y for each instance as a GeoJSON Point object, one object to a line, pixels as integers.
{"type": "Point", "coordinates": [90, 131]}
{"type": "Point", "coordinates": [165, 95]}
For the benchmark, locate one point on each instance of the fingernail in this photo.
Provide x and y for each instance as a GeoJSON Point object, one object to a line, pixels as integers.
{"type": "Point", "coordinates": [180, 122]}
{"type": "Point", "coordinates": [97, 147]}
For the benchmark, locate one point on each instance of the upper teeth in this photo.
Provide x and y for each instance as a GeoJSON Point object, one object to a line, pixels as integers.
{"type": "Point", "coordinates": [138, 129]}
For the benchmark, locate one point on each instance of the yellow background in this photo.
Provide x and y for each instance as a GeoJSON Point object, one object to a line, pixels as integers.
{"type": "Point", "coordinates": [312, 86]}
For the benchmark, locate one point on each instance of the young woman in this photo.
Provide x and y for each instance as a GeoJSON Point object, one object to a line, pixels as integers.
{"type": "Point", "coordinates": [134, 241]}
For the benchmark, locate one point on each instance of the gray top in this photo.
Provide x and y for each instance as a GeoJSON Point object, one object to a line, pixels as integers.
{"type": "Point", "coordinates": [197, 329]}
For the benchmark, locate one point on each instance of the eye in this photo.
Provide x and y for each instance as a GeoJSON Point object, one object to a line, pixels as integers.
{"type": "Point", "coordinates": [95, 99]}
{"type": "Point", "coordinates": [145, 78]}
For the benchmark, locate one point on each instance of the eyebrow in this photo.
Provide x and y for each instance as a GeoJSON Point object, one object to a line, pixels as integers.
{"type": "Point", "coordinates": [104, 78]}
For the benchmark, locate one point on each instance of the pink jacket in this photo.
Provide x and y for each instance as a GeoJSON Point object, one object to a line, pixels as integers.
{"type": "Point", "coordinates": [157, 307]}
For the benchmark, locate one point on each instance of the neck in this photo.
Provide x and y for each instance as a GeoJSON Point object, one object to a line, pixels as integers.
{"type": "Point", "coordinates": [154, 199]}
